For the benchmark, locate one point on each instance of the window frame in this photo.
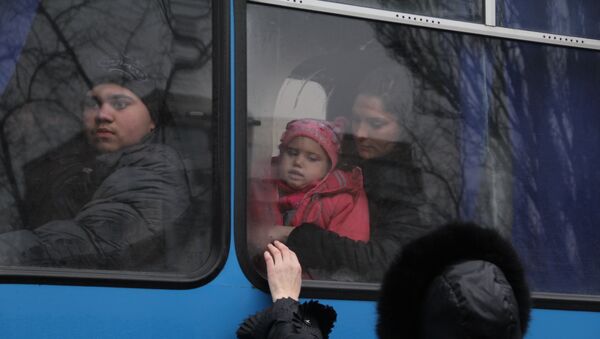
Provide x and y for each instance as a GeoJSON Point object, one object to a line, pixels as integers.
{"type": "Point", "coordinates": [221, 117]}
{"type": "Point", "coordinates": [310, 289]}
{"type": "Point", "coordinates": [489, 29]}
{"type": "Point", "coordinates": [366, 291]}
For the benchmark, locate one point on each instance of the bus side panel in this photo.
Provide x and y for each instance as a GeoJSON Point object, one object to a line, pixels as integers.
{"type": "Point", "coordinates": [211, 311]}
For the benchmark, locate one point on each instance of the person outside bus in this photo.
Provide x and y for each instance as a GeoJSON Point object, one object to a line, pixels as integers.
{"type": "Point", "coordinates": [459, 281]}
{"type": "Point", "coordinates": [107, 198]}
{"type": "Point", "coordinates": [393, 185]}
{"type": "Point", "coordinates": [286, 317]}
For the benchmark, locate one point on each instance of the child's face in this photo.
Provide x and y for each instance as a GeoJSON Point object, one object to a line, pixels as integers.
{"type": "Point", "coordinates": [302, 162]}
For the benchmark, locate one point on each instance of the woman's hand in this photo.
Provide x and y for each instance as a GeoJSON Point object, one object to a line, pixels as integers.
{"type": "Point", "coordinates": [283, 271]}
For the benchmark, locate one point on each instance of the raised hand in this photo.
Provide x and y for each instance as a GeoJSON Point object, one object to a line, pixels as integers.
{"type": "Point", "coordinates": [284, 272]}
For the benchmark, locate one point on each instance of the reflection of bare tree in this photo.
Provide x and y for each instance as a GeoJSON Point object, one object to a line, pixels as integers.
{"type": "Point", "coordinates": [556, 234]}
{"type": "Point", "coordinates": [521, 153]}
{"type": "Point", "coordinates": [26, 92]}
{"type": "Point", "coordinates": [462, 125]}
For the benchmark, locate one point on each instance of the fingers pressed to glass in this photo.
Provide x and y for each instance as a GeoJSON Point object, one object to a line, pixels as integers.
{"type": "Point", "coordinates": [282, 249]}
{"type": "Point", "coordinates": [269, 259]}
{"type": "Point", "coordinates": [275, 253]}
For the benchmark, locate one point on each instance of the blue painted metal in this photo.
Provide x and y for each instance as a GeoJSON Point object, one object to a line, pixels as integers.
{"type": "Point", "coordinates": [212, 311]}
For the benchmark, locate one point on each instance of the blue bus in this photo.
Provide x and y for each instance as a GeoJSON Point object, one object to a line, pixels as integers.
{"type": "Point", "coordinates": [94, 244]}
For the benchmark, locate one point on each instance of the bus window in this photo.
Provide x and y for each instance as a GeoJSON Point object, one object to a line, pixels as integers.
{"type": "Point", "coordinates": [442, 126]}
{"type": "Point", "coordinates": [575, 18]}
{"type": "Point", "coordinates": [108, 140]}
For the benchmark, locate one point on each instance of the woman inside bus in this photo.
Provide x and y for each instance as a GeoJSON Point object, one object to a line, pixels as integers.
{"type": "Point", "coordinates": [392, 182]}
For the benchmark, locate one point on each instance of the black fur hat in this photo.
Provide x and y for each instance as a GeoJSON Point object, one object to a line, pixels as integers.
{"type": "Point", "coordinates": [406, 285]}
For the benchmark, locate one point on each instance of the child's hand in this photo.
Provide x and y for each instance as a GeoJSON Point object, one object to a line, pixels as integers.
{"type": "Point", "coordinates": [283, 271]}
{"type": "Point", "coordinates": [279, 232]}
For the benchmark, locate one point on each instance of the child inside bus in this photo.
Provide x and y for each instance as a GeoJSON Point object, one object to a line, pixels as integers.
{"type": "Point", "coordinates": [305, 186]}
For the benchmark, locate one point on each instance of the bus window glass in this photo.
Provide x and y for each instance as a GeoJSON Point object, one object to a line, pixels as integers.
{"type": "Point", "coordinates": [574, 18]}
{"type": "Point", "coordinates": [462, 10]}
{"type": "Point", "coordinates": [106, 135]}
{"type": "Point", "coordinates": [435, 127]}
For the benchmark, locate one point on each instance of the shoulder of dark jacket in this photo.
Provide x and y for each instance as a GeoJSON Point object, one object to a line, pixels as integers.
{"type": "Point", "coordinates": [310, 318]}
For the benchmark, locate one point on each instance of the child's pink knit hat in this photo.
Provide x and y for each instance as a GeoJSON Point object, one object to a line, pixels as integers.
{"type": "Point", "coordinates": [327, 134]}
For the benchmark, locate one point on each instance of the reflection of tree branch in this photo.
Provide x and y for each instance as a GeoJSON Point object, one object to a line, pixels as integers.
{"type": "Point", "coordinates": [10, 173]}
{"type": "Point", "coordinates": [165, 10]}
{"type": "Point", "coordinates": [453, 70]}
{"type": "Point", "coordinates": [71, 9]}
{"type": "Point", "coordinates": [37, 69]}
{"type": "Point", "coordinates": [416, 49]}
{"type": "Point", "coordinates": [136, 28]}
{"type": "Point", "coordinates": [430, 168]}
{"type": "Point", "coordinates": [66, 44]}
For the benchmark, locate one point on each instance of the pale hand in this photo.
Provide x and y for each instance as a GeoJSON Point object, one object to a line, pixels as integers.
{"type": "Point", "coordinates": [284, 272]}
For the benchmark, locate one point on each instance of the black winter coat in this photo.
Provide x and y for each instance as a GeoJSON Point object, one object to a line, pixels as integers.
{"type": "Point", "coordinates": [107, 211]}
{"type": "Point", "coordinates": [394, 190]}
{"type": "Point", "coordinates": [287, 318]}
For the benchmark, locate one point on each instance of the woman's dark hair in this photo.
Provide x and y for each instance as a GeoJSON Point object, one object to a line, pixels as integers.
{"type": "Point", "coordinates": [394, 85]}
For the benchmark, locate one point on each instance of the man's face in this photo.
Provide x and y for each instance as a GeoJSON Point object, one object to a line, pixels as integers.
{"type": "Point", "coordinates": [302, 162]}
{"type": "Point", "coordinates": [114, 117]}
{"type": "Point", "coordinates": [376, 132]}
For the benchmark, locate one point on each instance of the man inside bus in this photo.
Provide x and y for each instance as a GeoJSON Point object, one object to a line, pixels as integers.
{"type": "Point", "coordinates": [109, 197]}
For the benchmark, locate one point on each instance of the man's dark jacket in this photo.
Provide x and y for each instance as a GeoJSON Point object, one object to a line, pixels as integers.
{"type": "Point", "coordinates": [100, 211]}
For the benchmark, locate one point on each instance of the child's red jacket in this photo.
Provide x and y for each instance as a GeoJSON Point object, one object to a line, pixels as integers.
{"type": "Point", "coordinates": [338, 203]}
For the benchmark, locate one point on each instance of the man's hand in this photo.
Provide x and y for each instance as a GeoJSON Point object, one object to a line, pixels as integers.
{"type": "Point", "coordinates": [283, 271]}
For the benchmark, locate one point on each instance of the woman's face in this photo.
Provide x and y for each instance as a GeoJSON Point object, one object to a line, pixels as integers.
{"type": "Point", "coordinates": [376, 132]}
